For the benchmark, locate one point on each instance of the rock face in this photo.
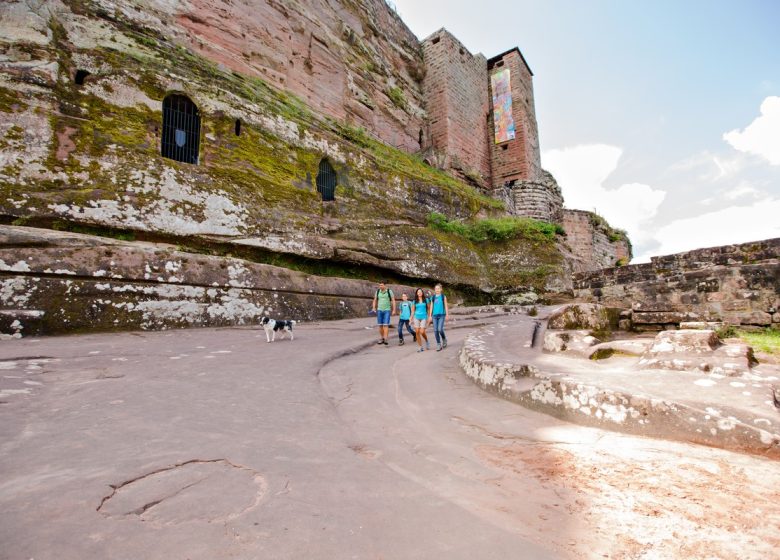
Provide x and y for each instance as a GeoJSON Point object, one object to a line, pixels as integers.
{"type": "Point", "coordinates": [737, 284]}
{"type": "Point", "coordinates": [54, 282]}
{"type": "Point", "coordinates": [288, 105]}
{"type": "Point", "coordinates": [342, 58]}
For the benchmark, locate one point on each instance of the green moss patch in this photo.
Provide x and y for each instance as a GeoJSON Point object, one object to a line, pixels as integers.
{"type": "Point", "coordinates": [497, 229]}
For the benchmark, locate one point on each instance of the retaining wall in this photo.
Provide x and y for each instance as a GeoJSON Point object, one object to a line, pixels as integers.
{"type": "Point", "coordinates": [738, 284]}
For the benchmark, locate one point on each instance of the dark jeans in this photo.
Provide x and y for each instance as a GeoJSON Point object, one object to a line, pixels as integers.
{"type": "Point", "coordinates": [401, 323]}
{"type": "Point", "coordinates": [438, 328]}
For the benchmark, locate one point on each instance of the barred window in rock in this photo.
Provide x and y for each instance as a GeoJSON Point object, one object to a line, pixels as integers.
{"type": "Point", "coordinates": [181, 129]}
{"type": "Point", "coordinates": [326, 181]}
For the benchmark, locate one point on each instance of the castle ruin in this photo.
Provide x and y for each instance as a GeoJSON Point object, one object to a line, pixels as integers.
{"type": "Point", "coordinates": [318, 139]}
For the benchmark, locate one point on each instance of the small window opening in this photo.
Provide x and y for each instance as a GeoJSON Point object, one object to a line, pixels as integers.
{"type": "Point", "coordinates": [420, 137]}
{"type": "Point", "coordinates": [238, 127]}
{"type": "Point", "coordinates": [81, 75]}
{"type": "Point", "coordinates": [505, 146]}
{"type": "Point", "coordinates": [326, 181]}
{"type": "Point", "coordinates": [436, 40]}
{"type": "Point", "coordinates": [462, 52]}
{"type": "Point", "coordinates": [500, 63]}
{"type": "Point", "coordinates": [181, 129]}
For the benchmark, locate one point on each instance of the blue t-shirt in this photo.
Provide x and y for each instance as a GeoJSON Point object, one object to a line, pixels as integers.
{"type": "Point", "coordinates": [405, 308]}
{"type": "Point", "coordinates": [438, 304]}
{"type": "Point", "coordinates": [420, 310]}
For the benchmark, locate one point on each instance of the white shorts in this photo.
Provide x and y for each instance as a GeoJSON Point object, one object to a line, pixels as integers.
{"type": "Point", "coordinates": [420, 323]}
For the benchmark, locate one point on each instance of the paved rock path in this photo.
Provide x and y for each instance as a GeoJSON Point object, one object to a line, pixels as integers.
{"type": "Point", "coordinates": [210, 443]}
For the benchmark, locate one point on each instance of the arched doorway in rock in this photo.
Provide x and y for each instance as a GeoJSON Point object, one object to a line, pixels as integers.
{"type": "Point", "coordinates": [326, 181]}
{"type": "Point", "coordinates": [181, 129]}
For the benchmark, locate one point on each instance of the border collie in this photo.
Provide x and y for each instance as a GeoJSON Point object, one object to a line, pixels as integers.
{"type": "Point", "coordinates": [272, 325]}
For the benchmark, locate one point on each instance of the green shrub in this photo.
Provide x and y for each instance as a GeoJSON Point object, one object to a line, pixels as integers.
{"type": "Point", "coordinates": [497, 229]}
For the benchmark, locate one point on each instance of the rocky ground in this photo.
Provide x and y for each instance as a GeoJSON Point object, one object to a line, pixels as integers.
{"type": "Point", "coordinates": [211, 443]}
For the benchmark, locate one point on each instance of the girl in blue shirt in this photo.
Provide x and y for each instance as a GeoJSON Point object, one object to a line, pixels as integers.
{"type": "Point", "coordinates": [421, 315]}
{"type": "Point", "coordinates": [404, 315]}
{"type": "Point", "coordinates": [439, 311]}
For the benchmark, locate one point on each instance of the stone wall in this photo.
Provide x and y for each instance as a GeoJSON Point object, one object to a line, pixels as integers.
{"type": "Point", "coordinates": [593, 243]}
{"type": "Point", "coordinates": [737, 284]}
{"type": "Point", "coordinates": [518, 159]}
{"type": "Point", "coordinates": [54, 282]}
{"type": "Point", "coordinates": [456, 98]}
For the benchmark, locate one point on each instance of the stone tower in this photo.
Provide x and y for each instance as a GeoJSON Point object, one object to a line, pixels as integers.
{"type": "Point", "coordinates": [482, 125]}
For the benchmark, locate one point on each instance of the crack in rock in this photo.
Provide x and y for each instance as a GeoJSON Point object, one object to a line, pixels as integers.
{"type": "Point", "coordinates": [197, 490]}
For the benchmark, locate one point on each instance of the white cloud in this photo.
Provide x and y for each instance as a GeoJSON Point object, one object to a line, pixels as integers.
{"type": "Point", "coordinates": [762, 136]}
{"type": "Point", "coordinates": [743, 189]}
{"type": "Point", "coordinates": [581, 172]}
{"type": "Point", "coordinates": [735, 224]}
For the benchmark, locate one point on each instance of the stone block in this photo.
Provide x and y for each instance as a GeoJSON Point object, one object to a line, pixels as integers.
{"type": "Point", "coordinates": [580, 316]}
{"type": "Point", "coordinates": [760, 318]}
{"type": "Point", "coordinates": [663, 317]}
{"type": "Point", "coordinates": [700, 325]}
{"type": "Point", "coordinates": [689, 340]}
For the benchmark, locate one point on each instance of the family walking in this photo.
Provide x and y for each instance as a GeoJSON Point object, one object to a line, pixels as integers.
{"type": "Point", "coordinates": [420, 312]}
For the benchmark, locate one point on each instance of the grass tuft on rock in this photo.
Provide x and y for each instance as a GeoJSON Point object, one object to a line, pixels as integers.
{"type": "Point", "coordinates": [497, 229]}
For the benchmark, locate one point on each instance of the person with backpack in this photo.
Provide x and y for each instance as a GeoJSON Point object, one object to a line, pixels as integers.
{"type": "Point", "coordinates": [421, 310]}
{"type": "Point", "coordinates": [439, 312]}
{"type": "Point", "coordinates": [384, 306]}
{"type": "Point", "coordinates": [404, 315]}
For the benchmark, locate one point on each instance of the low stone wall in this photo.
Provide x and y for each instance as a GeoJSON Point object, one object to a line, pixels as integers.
{"type": "Point", "coordinates": [54, 283]}
{"type": "Point", "coordinates": [737, 284]}
{"type": "Point", "coordinates": [591, 405]}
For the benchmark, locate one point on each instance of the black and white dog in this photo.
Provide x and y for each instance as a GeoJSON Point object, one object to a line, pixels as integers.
{"type": "Point", "coordinates": [272, 325]}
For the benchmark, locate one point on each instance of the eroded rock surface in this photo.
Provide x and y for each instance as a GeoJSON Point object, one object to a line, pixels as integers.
{"type": "Point", "coordinates": [581, 316]}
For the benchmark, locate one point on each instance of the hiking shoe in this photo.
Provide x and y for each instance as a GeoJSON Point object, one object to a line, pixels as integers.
{"type": "Point", "coordinates": [380, 341]}
{"type": "Point", "coordinates": [444, 344]}
{"type": "Point", "coordinates": [421, 349]}
{"type": "Point", "coordinates": [385, 342]}
{"type": "Point", "coordinates": [438, 347]}
{"type": "Point", "coordinates": [401, 342]}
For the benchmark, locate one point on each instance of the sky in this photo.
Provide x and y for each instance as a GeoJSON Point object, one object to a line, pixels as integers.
{"type": "Point", "coordinates": [661, 115]}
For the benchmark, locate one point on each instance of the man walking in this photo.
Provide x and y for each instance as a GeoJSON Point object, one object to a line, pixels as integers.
{"type": "Point", "coordinates": [384, 305]}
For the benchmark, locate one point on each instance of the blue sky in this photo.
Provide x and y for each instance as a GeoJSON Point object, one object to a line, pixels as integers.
{"type": "Point", "coordinates": [663, 116]}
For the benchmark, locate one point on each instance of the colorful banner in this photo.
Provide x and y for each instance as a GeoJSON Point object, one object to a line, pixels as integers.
{"type": "Point", "coordinates": [502, 106]}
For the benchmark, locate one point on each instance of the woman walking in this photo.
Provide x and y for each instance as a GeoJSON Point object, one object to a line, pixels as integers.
{"type": "Point", "coordinates": [439, 311]}
{"type": "Point", "coordinates": [422, 314]}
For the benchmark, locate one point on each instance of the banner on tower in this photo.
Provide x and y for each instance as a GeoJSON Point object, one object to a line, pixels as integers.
{"type": "Point", "coordinates": [502, 106]}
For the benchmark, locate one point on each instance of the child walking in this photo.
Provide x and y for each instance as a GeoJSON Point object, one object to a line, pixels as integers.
{"type": "Point", "coordinates": [422, 314]}
{"type": "Point", "coordinates": [439, 311]}
{"type": "Point", "coordinates": [404, 315]}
